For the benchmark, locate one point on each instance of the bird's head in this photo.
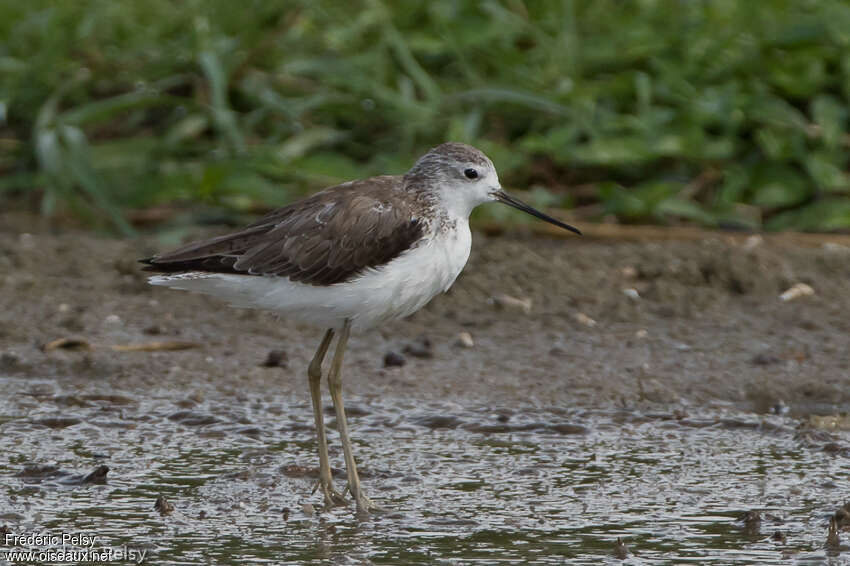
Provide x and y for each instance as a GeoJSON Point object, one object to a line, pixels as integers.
{"type": "Point", "coordinates": [464, 177]}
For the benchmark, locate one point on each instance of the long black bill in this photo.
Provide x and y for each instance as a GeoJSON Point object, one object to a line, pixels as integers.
{"type": "Point", "coordinates": [504, 197]}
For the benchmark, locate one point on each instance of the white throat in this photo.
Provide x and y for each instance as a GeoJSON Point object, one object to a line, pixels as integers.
{"type": "Point", "coordinates": [460, 200]}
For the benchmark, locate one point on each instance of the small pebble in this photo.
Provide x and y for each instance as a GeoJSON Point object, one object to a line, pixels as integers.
{"type": "Point", "coordinates": [508, 302]}
{"type": "Point", "coordinates": [64, 307]}
{"type": "Point", "coordinates": [642, 333]}
{"type": "Point", "coordinates": [98, 476]}
{"type": "Point", "coordinates": [394, 359]}
{"type": "Point", "coordinates": [764, 359]}
{"type": "Point", "coordinates": [632, 293]}
{"type": "Point", "coordinates": [835, 247]}
{"type": "Point", "coordinates": [752, 242]}
{"type": "Point", "coordinates": [464, 340]}
{"type": "Point", "coordinates": [779, 537]}
{"type": "Point", "coordinates": [163, 506]}
{"type": "Point", "coordinates": [276, 359]}
{"type": "Point", "coordinates": [286, 513]}
{"type": "Point", "coordinates": [796, 291]}
{"type": "Point", "coordinates": [629, 272]}
{"type": "Point", "coordinates": [113, 319]}
{"type": "Point", "coordinates": [582, 318]}
{"type": "Point", "coordinates": [752, 521]}
{"type": "Point", "coordinates": [621, 551]}
{"type": "Point", "coordinates": [308, 509]}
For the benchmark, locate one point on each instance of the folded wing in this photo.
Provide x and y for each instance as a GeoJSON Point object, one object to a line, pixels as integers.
{"type": "Point", "coordinates": [328, 238]}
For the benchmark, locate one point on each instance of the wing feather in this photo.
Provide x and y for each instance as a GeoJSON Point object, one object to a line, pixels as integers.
{"type": "Point", "coordinates": [328, 238]}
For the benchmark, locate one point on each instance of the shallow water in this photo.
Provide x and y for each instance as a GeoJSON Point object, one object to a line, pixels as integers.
{"type": "Point", "coordinates": [459, 484]}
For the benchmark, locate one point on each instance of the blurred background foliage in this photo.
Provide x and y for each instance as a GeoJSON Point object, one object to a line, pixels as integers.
{"type": "Point", "coordinates": [719, 112]}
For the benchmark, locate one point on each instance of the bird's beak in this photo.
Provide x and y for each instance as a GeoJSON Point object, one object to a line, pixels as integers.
{"type": "Point", "coordinates": [504, 197]}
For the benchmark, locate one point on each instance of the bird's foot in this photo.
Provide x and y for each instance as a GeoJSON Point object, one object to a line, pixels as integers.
{"type": "Point", "coordinates": [333, 498]}
{"type": "Point", "coordinates": [364, 504]}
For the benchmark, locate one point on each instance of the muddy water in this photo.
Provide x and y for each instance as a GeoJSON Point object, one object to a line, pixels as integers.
{"type": "Point", "coordinates": [458, 483]}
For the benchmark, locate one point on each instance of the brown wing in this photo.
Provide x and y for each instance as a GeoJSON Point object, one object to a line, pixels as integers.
{"type": "Point", "coordinates": [328, 238]}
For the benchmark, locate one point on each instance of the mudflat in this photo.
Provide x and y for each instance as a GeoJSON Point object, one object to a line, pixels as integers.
{"type": "Point", "coordinates": [544, 399]}
{"type": "Point", "coordinates": [566, 322]}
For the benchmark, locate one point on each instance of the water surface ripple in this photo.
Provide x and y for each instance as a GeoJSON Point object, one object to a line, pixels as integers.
{"type": "Point", "coordinates": [459, 484]}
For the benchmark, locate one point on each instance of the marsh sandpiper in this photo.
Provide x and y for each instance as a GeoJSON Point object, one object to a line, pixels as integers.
{"type": "Point", "coordinates": [349, 257]}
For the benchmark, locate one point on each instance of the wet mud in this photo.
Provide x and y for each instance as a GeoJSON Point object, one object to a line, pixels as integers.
{"type": "Point", "coordinates": [565, 394]}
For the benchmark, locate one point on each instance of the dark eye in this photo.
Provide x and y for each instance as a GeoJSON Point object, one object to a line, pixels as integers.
{"type": "Point", "coordinates": [470, 173]}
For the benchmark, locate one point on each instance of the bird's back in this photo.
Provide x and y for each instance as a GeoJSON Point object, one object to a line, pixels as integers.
{"type": "Point", "coordinates": [325, 239]}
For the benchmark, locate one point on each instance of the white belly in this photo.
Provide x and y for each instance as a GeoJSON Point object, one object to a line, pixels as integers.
{"type": "Point", "coordinates": [395, 290]}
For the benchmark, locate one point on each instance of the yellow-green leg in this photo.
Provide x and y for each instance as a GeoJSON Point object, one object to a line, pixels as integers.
{"type": "Point", "coordinates": [335, 386]}
{"type": "Point", "coordinates": [332, 496]}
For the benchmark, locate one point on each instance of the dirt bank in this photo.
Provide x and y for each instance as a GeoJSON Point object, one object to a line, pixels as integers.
{"type": "Point", "coordinates": [610, 323]}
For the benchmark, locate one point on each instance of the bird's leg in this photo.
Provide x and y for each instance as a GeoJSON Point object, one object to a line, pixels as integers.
{"type": "Point", "coordinates": [335, 386]}
{"type": "Point", "coordinates": [332, 496]}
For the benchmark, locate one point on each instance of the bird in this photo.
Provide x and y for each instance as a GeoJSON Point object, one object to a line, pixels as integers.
{"type": "Point", "coordinates": [349, 258]}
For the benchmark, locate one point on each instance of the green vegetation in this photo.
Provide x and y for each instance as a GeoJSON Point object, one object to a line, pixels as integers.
{"type": "Point", "coordinates": [720, 112]}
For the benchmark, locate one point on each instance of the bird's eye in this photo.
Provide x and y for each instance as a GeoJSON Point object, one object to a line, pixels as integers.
{"type": "Point", "coordinates": [470, 173]}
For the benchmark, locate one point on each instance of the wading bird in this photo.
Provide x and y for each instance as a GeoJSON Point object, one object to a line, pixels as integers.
{"type": "Point", "coordinates": [349, 258]}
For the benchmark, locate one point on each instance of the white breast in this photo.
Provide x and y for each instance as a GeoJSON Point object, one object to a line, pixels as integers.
{"type": "Point", "coordinates": [407, 283]}
{"type": "Point", "coordinates": [394, 290]}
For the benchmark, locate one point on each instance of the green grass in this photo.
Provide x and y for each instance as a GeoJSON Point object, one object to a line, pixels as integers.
{"type": "Point", "coordinates": [719, 112]}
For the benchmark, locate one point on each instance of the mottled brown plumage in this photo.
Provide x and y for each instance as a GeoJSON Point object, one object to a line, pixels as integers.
{"type": "Point", "coordinates": [327, 238]}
